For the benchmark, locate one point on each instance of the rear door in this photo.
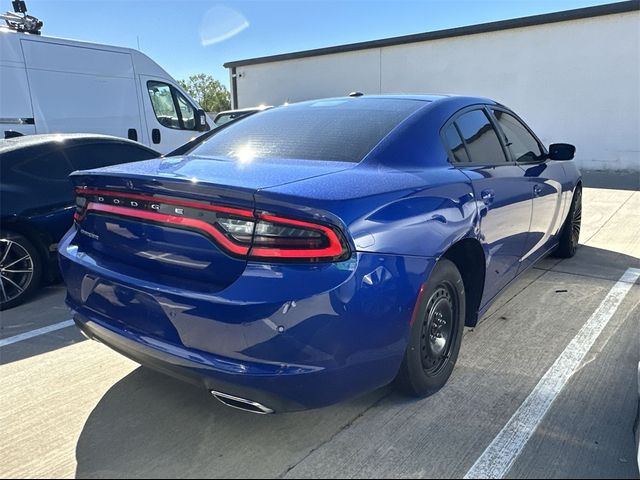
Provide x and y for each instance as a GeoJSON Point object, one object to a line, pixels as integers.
{"type": "Point", "coordinates": [543, 177]}
{"type": "Point", "coordinates": [170, 116]}
{"type": "Point", "coordinates": [501, 189]}
{"type": "Point", "coordinates": [80, 89]}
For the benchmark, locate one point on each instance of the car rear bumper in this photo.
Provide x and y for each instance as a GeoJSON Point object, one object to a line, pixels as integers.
{"type": "Point", "coordinates": [289, 337]}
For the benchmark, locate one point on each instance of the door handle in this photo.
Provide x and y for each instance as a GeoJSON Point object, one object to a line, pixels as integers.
{"type": "Point", "coordinates": [132, 134]}
{"type": "Point", "coordinates": [537, 190]}
{"type": "Point", "coordinates": [488, 196]}
{"type": "Point", "coordinates": [155, 135]}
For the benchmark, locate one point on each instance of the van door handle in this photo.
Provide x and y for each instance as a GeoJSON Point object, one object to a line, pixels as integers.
{"type": "Point", "coordinates": [537, 190]}
{"type": "Point", "coordinates": [155, 135]}
{"type": "Point", "coordinates": [488, 196]}
{"type": "Point", "coordinates": [132, 134]}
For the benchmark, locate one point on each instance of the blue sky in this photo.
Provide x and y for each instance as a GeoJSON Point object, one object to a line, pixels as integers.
{"type": "Point", "coordinates": [188, 37]}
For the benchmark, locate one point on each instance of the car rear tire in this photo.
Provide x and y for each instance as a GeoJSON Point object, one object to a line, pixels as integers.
{"type": "Point", "coordinates": [20, 269]}
{"type": "Point", "coordinates": [436, 333]}
{"type": "Point", "coordinates": [570, 233]}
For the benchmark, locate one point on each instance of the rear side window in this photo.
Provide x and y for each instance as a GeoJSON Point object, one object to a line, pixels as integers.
{"type": "Point", "coordinates": [522, 145]}
{"type": "Point", "coordinates": [39, 179]}
{"type": "Point", "coordinates": [53, 166]}
{"type": "Point", "coordinates": [455, 144]}
{"type": "Point", "coordinates": [480, 138]}
{"type": "Point", "coordinates": [97, 155]}
{"type": "Point", "coordinates": [338, 130]}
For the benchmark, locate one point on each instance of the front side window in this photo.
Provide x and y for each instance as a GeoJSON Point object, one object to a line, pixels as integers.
{"type": "Point", "coordinates": [171, 108]}
{"type": "Point", "coordinates": [187, 112]}
{"type": "Point", "coordinates": [480, 138]}
{"type": "Point", "coordinates": [522, 145]}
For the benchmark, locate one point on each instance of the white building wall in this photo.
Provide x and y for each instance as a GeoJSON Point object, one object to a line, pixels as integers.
{"type": "Point", "coordinates": [576, 81]}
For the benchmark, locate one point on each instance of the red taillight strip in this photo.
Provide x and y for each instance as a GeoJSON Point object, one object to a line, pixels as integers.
{"type": "Point", "coordinates": [167, 200]}
{"type": "Point", "coordinates": [173, 220]}
{"type": "Point", "coordinates": [334, 250]}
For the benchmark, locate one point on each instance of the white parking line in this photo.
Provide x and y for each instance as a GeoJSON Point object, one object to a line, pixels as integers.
{"type": "Point", "coordinates": [498, 458]}
{"type": "Point", "coordinates": [35, 333]}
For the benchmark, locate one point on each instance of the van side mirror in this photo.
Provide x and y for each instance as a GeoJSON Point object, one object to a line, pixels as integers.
{"type": "Point", "coordinates": [561, 151]}
{"type": "Point", "coordinates": [201, 121]}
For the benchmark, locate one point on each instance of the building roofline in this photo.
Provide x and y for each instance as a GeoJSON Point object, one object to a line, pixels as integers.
{"type": "Point", "coordinates": [545, 18]}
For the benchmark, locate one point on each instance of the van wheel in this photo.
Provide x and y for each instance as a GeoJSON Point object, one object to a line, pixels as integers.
{"type": "Point", "coordinates": [436, 333]}
{"type": "Point", "coordinates": [570, 233]}
{"type": "Point", "coordinates": [20, 269]}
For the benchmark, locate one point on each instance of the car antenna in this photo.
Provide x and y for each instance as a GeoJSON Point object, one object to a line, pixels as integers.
{"type": "Point", "coordinates": [20, 21]}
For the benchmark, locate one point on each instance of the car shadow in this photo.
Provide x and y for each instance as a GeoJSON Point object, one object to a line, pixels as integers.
{"type": "Point", "coordinates": [150, 425]}
{"type": "Point", "coordinates": [45, 309]}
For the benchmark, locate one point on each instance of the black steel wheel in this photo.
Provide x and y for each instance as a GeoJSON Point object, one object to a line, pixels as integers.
{"type": "Point", "coordinates": [439, 328]}
{"type": "Point", "coordinates": [20, 269]}
{"type": "Point", "coordinates": [570, 234]}
{"type": "Point", "coordinates": [436, 333]}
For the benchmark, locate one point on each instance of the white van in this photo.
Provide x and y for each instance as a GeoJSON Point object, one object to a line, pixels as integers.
{"type": "Point", "coordinates": [51, 85]}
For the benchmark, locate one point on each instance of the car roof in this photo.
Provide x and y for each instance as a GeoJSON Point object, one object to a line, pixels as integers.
{"type": "Point", "coordinates": [32, 141]}
{"type": "Point", "coordinates": [425, 97]}
{"type": "Point", "coordinates": [432, 99]}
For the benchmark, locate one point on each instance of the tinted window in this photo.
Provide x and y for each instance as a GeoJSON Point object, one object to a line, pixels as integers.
{"type": "Point", "coordinates": [35, 179]}
{"type": "Point", "coordinates": [340, 130]}
{"type": "Point", "coordinates": [97, 155]}
{"type": "Point", "coordinates": [522, 145]}
{"type": "Point", "coordinates": [53, 166]}
{"type": "Point", "coordinates": [480, 138]}
{"type": "Point", "coordinates": [454, 142]}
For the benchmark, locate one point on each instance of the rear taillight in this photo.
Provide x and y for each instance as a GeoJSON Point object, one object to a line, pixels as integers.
{"type": "Point", "coordinates": [240, 232]}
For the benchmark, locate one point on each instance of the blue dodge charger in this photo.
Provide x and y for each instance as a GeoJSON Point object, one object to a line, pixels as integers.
{"type": "Point", "coordinates": [316, 251]}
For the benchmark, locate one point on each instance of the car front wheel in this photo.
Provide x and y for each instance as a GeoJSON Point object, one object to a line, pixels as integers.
{"type": "Point", "coordinates": [20, 269]}
{"type": "Point", "coordinates": [436, 333]}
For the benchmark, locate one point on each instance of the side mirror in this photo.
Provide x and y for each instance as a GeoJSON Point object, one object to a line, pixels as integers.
{"type": "Point", "coordinates": [12, 134]}
{"type": "Point", "coordinates": [561, 151]}
{"type": "Point", "coordinates": [201, 121]}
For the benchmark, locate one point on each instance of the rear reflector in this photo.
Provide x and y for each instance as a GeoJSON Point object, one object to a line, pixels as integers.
{"type": "Point", "coordinates": [239, 232]}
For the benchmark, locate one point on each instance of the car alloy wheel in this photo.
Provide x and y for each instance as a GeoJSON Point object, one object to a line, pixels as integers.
{"type": "Point", "coordinates": [16, 270]}
{"type": "Point", "coordinates": [576, 219]}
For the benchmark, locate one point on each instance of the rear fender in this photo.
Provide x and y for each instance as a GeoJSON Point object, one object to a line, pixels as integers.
{"type": "Point", "coordinates": [385, 211]}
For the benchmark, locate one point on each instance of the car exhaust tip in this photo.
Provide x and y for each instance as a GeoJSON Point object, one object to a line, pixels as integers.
{"type": "Point", "coordinates": [241, 403]}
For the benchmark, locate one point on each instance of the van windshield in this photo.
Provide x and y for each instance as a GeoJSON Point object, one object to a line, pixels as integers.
{"type": "Point", "coordinates": [343, 130]}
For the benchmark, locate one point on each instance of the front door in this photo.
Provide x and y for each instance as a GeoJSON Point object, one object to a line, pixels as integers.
{"type": "Point", "coordinates": [502, 192]}
{"type": "Point", "coordinates": [541, 174]}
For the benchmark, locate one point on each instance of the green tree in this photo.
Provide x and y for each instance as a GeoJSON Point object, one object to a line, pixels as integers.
{"type": "Point", "coordinates": [212, 95]}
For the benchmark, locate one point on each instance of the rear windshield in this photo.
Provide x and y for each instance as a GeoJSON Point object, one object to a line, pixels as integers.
{"type": "Point", "coordinates": [339, 130]}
